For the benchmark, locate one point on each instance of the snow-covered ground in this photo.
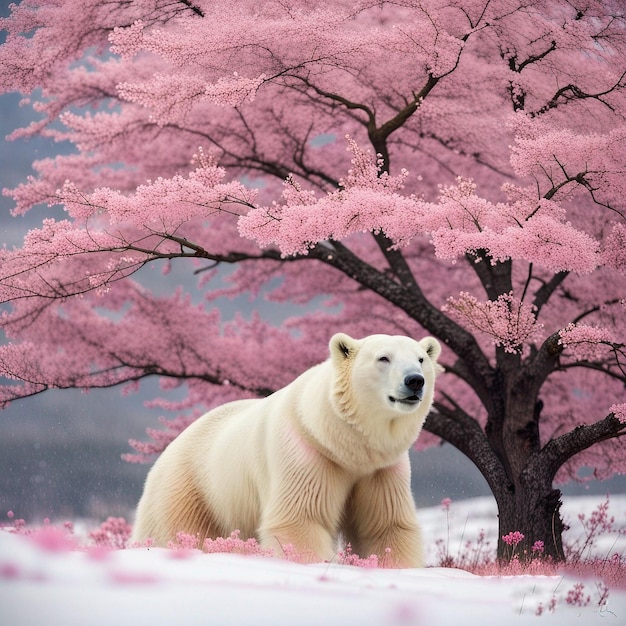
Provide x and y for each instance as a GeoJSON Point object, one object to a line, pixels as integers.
{"type": "Point", "coordinates": [40, 585]}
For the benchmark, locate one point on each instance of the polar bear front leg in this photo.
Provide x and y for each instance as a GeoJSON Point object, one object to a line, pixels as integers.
{"type": "Point", "coordinates": [381, 518]}
{"type": "Point", "coordinates": [303, 541]}
{"type": "Point", "coordinates": [302, 517]}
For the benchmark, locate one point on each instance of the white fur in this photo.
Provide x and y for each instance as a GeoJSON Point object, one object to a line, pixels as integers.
{"type": "Point", "coordinates": [325, 456]}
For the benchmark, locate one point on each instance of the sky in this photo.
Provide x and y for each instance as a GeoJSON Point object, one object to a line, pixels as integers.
{"type": "Point", "coordinates": [60, 451]}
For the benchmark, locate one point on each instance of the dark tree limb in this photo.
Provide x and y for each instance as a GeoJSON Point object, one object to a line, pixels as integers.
{"type": "Point", "coordinates": [558, 451]}
{"type": "Point", "coordinates": [465, 434]}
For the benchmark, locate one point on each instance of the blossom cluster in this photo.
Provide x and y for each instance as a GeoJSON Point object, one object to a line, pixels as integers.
{"type": "Point", "coordinates": [619, 410]}
{"type": "Point", "coordinates": [136, 86]}
{"type": "Point", "coordinates": [367, 200]}
{"type": "Point", "coordinates": [113, 533]}
{"type": "Point", "coordinates": [162, 204]}
{"type": "Point", "coordinates": [513, 538]}
{"type": "Point", "coordinates": [556, 156]}
{"type": "Point", "coordinates": [584, 342]}
{"type": "Point", "coordinates": [510, 322]}
{"type": "Point", "coordinates": [168, 98]}
{"type": "Point", "coordinates": [461, 222]}
{"type": "Point", "coordinates": [614, 252]}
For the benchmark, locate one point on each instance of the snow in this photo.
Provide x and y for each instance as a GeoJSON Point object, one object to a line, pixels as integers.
{"type": "Point", "coordinates": [44, 583]}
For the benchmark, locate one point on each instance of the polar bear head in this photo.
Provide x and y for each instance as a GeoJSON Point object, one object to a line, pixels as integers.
{"type": "Point", "coordinates": [383, 374]}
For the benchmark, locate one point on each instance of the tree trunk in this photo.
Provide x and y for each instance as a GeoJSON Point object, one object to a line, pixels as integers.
{"type": "Point", "coordinates": [530, 505]}
{"type": "Point", "coordinates": [534, 511]}
{"type": "Point", "coordinates": [527, 502]}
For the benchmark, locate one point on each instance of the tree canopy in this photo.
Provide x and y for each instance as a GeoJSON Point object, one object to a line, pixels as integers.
{"type": "Point", "coordinates": [451, 168]}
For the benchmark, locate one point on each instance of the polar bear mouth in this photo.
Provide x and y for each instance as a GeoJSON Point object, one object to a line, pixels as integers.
{"type": "Point", "coordinates": [409, 400]}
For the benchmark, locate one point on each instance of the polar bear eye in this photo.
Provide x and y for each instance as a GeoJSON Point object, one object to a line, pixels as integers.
{"type": "Point", "coordinates": [383, 359]}
{"type": "Point", "coordinates": [421, 359]}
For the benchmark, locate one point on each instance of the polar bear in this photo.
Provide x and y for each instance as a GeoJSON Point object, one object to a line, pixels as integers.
{"type": "Point", "coordinates": [325, 457]}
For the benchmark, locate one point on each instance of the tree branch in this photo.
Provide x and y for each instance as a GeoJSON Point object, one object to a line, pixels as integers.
{"type": "Point", "coordinates": [543, 294]}
{"type": "Point", "coordinates": [560, 450]}
{"type": "Point", "coordinates": [198, 11]}
{"type": "Point", "coordinates": [494, 277]}
{"type": "Point", "coordinates": [464, 433]}
{"type": "Point", "coordinates": [348, 104]}
{"type": "Point", "coordinates": [381, 134]}
{"type": "Point", "coordinates": [414, 303]}
{"type": "Point", "coordinates": [543, 362]}
{"type": "Point", "coordinates": [570, 93]}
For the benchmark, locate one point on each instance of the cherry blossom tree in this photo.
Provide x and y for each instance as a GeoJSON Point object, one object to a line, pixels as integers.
{"type": "Point", "coordinates": [453, 168]}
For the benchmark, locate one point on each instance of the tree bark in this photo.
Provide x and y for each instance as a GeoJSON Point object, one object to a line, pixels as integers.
{"type": "Point", "coordinates": [532, 509]}
{"type": "Point", "coordinates": [526, 499]}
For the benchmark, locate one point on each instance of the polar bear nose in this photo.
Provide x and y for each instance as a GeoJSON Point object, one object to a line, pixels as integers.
{"type": "Point", "coordinates": [415, 382]}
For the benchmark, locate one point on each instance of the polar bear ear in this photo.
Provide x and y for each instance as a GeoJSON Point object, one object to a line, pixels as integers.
{"type": "Point", "coordinates": [342, 347]}
{"type": "Point", "coordinates": [433, 349]}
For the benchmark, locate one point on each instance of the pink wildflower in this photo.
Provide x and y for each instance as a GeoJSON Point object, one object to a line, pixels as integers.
{"type": "Point", "coordinates": [53, 539]}
{"type": "Point", "coordinates": [234, 544]}
{"type": "Point", "coordinates": [184, 546]}
{"type": "Point", "coordinates": [513, 538]}
{"type": "Point", "coordinates": [346, 557]}
{"type": "Point", "coordinates": [576, 596]}
{"type": "Point", "coordinates": [114, 533]}
{"type": "Point", "coordinates": [184, 542]}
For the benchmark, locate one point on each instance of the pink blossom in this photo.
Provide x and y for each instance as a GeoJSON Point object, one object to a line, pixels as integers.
{"type": "Point", "coordinates": [52, 539]}
{"type": "Point", "coordinates": [234, 544]}
{"type": "Point", "coordinates": [619, 410]}
{"type": "Point", "coordinates": [576, 596]}
{"type": "Point", "coordinates": [184, 542]}
{"type": "Point", "coordinates": [614, 253]}
{"type": "Point", "coordinates": [347, 557]}
{"type": "Point", "coordinates": [113, 533]}
{"type": "Point", "coordinates": [367, 199]}
{"type": "Point", "coordinates": [480, 199]}
{"type": "Point", "coordinates": [508, 321]}
{"type": "Point", "coordinates": [513, 538]}
{"type": "Point", "coordinates": [586, 342]}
